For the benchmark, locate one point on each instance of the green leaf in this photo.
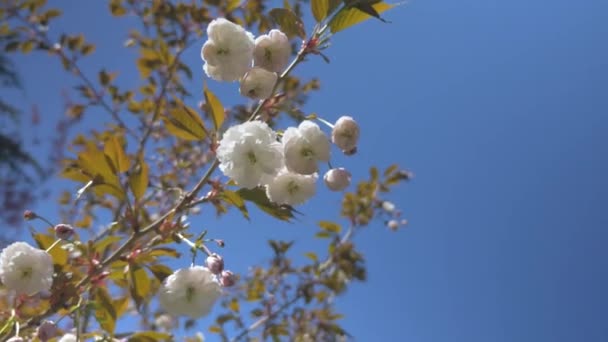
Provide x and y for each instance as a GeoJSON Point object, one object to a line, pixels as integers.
{"type": "Point", "coordinates": [323, 235]}
{"type": "Point", "coordinates": [215, 329]}
{"type": "Point", "coordinates": [351, 16]}
{"type": "Point", "coordinates": [289, 22]}
{"type": "Point", "coordinates": [215, 107]}
{"type": "Point", "coordinates": [259, 198]}
{"type": "Point", "coordinates": [236, 200]}
{"type": "Point", "coordinates": [322, 8]}
{"type": "Point", "coordinates": [330, 226]}
{"type": "Point", "coordinates": [138, 180]}
{"type": "Point", "coordinates": [139, 284]}
{"type": "Point", "coordinates": [59, 255]}
{"type": "Point", "coordinates": [114, 150]}
{"type": "Point", "coordinates": [116, 8]}
{"type": "Point", "coordinates": [162, 251]}
{"type": "Point", "coordinates": [149, 336]}
{"type": "Point", "coordinates": [104, 310]}
{"type": "Point", "coordinates": [312, 256]}
{"type": "Point", "coordinates": [160, 271]}
{"type": "Point", "coordinates": [184, 122]}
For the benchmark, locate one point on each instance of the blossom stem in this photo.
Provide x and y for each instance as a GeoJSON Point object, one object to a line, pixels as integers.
{"type": "Point", "coordinates": [330, 125]}
{"type": "Point", "coordinates": [53, 245]}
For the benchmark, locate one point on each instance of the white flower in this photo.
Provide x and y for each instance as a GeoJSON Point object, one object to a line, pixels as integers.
{"type": "Point", "coordinates": [250, 154]}
{"type": "Point", "coordinates": [337, 179]}
{"type": "Point", "coordinates": [304, 147]}
{"type": "Point", "coordinates": [272, 51]}
{"type": "Point", "coordinates": [228, 53]}
{"type": "Point", "coordinates": [189, 292]}
{"type": "Point", "coordinates": [26, 269]}
{"type": "Point", "coordinates": [258, 83]}
{"type": "Point", "coordinates": [165, 322]}
{"type": "Point", "coordinates": [388, 206]}
{"type": "Point", "coordinates": [345, 134]}
{"type": "Point", "coordinates": [291, 188]}
{"type": "Point", "coordinates": [68, 338]}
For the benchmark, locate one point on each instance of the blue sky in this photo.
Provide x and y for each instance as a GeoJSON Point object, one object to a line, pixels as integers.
{"type": "Point", "coordinates": [500, 108]}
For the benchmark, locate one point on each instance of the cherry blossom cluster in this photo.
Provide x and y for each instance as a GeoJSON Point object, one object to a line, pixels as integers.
{"type": "Point", "coordinates": [251, 153]}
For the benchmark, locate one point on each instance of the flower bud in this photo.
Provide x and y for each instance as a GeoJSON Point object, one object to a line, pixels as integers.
{"type": "Point", "coordinates": [215, 263]}
{"type": "Point", "coordinates": [46, 331]}
{"type": "Point", "coordinates": [337, 179]}
{"type": "Point", "coordinates": [227, 279]}
{"type": "Point", "coordinates": [346, 134]}
{"type": "Point", "coordinates": [29, 215]}
{"type": "Point", "coordinates": [388, 206]}
{"type": "Point", "coordinates": [258, 83]}
{"type": "Point", "coordinates": [165, 322]}
{"type": "Point", "coordinates": [64, 231]}
{"type": "Point", "coordinates": [393, 224]}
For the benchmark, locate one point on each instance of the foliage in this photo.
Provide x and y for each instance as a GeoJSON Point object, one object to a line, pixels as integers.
{"type": "Point", "coordinates": [148, 176]}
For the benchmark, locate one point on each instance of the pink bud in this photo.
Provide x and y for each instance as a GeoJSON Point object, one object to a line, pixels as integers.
{"type": "Point", "coordinates": [393, 224]}
{"type": "Point", "coordinates": [29, 215]}
{"type": "Point", "coordinates": [337, 179]}
{"type": "Point", "coordinates": [346, 134]}
{"type": "Point", "coordinates": [227, 279]}
{"type": "Point", "coordinates": [64, 231]}
{"type": "Point", "coordinates": [215, 263]}
{"type": "Point", "coordinates": [46, 331]}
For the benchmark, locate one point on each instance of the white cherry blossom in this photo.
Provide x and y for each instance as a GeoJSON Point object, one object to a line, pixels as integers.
{"type": "Point", "coordinates": [26, 269]}
{"type": "Point", "coordinates": [272, 51]}
{"type": "Point", "coordinates": [189, 292]}
{"type": "Point", "coordinates": [304, 147]}
{"type": "Point", "coordinates": [250, 154]}
{"type": "Point", "coordinates": [291, 188]}
{"type": "Point", "coordinates": [228, 53]}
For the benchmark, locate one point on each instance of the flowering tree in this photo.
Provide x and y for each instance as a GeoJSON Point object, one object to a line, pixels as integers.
{"type": "Point", "coordinates": [161, 159]}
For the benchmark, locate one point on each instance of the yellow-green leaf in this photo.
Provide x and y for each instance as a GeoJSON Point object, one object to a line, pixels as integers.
{"type": "Point", "coordinates": [104, 310]}
{"type": "Point", "coordinates": [216, 108]}
{"type": "Point", "coordinates": [184, 122]}
{"type": "Point", "coordinates": [352, 16]}
{"type": "Point", "coordinates": [95, 163]}
{"type": "Point", "coordinates": [236, 200]}
{"type": "Point", "coordinates": [121, 305]}
{"type": "Point", "coordinates": [149, 336]}
{"type": "Point", "coordinates": [138, 180]}
{"type": "Point", "coordinates": [215, 329]}
{"type": "Point", "coordinates": [139, 284]}
{"type": "Point", "coordinates": [322, 8]}
{"type": "Point", "coordinates": [160, 271]}
{"type": "Point", "coordinates": [289, 22]}
{"type": "Point", "coordinates": [59, 255]}
{"type": "Point", "coordinates": [259, 198]}
{"type": "Point", "coordinates": [330, 226]}
{"type": "Point", "coordinates": [116, 153]}
{"type": "Point", "coordinates": [234, 305]}
{"type": "Point", "coordinates": [312, 256]}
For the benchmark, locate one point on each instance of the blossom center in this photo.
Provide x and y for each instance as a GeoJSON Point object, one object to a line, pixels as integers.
{"type": "Point", "coordinates": [292, 187]}
{"type": "Point", "coordinates": [223, 51]}
{"type": "Point", "coordinates": [307, 152]}
{"type": "Point", "coordinates": [190, 292]}
{"type": "Point", "coordinates": [26, 272]}
{"type": "Point", "coordinates": [268, 54]}
{"type": "Point", "coordinates": [252, 158]}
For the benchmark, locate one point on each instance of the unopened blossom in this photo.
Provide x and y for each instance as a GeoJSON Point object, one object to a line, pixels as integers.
{"type": "Point", "coordinates": [189, 292]}
{"type": "Point", "coordinates": [46, 331]}
{"type": "Point", "coordinates": [304, 147]}
{"type": "Point", "coordinates": [272, 51]}
{"type": "Point", "coordinates": [227, 278]}
{"type": "Point", "coordinates": [68, 338]}
{"type": "Point", "coordinates": [291, 188]}
{"type": "Point", "coordinates": [388, 206]}
{"type": "Point", "coordinates": [337, 179]}
{"type": "Point", "coordinates": [26, 269]}
{"type": "Point", "coordinates": [215, 263]}
{"type": "Point", "coordinates": [393, 224]}
{"type": "Point", "coordinates": [258, 83]}
{"type": "Point", "coordinates": [63, 231]}
{"type": "Point", "coordinates": [228, 53]}
{"type": "Point", "coordinates": [250, 154]}
{"type": "Point", "coordinates": [165, 322]}
{"type": "Point", "coordinates": [345, 134]}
